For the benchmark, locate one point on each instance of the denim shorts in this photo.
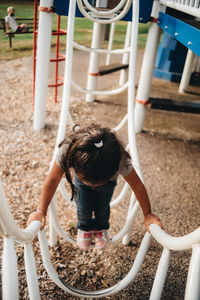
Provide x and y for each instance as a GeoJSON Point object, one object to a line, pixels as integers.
{"type": "Point", "coordinates": [93, 205]}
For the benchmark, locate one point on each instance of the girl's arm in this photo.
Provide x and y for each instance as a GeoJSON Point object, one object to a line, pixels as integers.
{"type": "Point", "coordinates": [141, 194]}
{"type": "Point", "coordinates": [48, 190]}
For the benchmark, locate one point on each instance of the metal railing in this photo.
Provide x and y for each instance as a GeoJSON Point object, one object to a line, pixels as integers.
{"type": "Point", "coordinates": [191, 7]}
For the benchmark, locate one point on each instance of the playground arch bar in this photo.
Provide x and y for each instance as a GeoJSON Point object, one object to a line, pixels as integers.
{"type": "Point", "coordinates": [9, 228]}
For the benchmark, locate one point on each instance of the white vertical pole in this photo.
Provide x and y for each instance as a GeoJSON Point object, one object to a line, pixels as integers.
{"type": "Point", "coordinates": [9, 271]}
{"type": "Point", "coordinates": [185, 79]}
{"type": "Point", "coordinates": [68, 74]}
{"type": "Point", "coordinates": [197, 68]}
{"type": "Point", "coordinates": [111, 36]}
{"type": "Point", "coordinates": [42, 65]}
{"type": "Point", "coordinates": [125, 58]}
{"type": "Point", "coordinates": [192, 287]}
{"type": "Point", "coordinates": [126, 238]}
{"type": "Point", "coordinates": [147, 69]}
{"type": "Point", "coordinates": [31, 273]}
{"type": "Point", "coordinates": [160, 277]}
{"type": "Point", "coordinates": [94, 61]}
{"type": "Point", "coordinates": [65, 103]}
{"type": "Point", "coordinates": [52, 231]}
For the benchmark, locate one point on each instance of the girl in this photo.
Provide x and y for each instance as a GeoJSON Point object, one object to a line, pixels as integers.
{"type": "Point", "coordinates": [97, 157]}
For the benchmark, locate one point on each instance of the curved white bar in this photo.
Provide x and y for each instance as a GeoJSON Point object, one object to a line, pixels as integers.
{"type": "Point", "coordinates": [105, 13]}
{"type": "Point", "coordinates": [63, 190]}
{"type": "Point", "coordinates": [108, 92]}
{"type": "Point", "coordinates": [128, 224]}
{"type": "Point", "coordinates": [114, 51]}
{"type": "Point", "coordinates": [58, 228]}
{"type": "Point", "coordinates": [126, 238]}
{"type": "Point", "coordinates": [175, 243]}
{"type": "Point", "coordinates": [56, 225]}
{"type": "Point", "coordinates": [121, 124]}
{"type": "Point", "coordinates": [121, 196]}
{"type": "Point", "coordinates": [111, 18]}
{"type": "Point", "coordinates": [93, 294]}
{"type": "Point", "coordinates": [10, 227]}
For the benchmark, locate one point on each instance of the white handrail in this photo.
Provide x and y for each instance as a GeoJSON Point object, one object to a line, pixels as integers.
{"type": "Point", "coordinates": [175, 243]}
{"type": "Point", "coordinates": [114, 51]}
{"type": "Point", "coordinates": [104, 92]}
{"type": "Point", "coordinates": [190, 8]}
{"type": "Point", "coordinates": [10, 227]}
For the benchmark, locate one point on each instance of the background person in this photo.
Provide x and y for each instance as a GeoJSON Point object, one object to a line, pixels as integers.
{"type": "Point", "coordinates": [11, 23]}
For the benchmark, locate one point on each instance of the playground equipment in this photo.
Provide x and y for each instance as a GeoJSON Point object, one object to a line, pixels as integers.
{"type": "Point", "coordinates": [185, 31]}
{"type": "Point", "coordinates": [58, 80]}
{"type": "Point", "coordinates": [9, 229]}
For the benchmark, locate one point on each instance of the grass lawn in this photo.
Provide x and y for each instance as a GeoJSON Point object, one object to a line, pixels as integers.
{"type": "Point", "coordinates": [22, 44]}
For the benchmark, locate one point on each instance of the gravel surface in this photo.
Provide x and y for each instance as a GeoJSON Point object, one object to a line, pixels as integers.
{"type": "Point", "coordinates": [170, 166]}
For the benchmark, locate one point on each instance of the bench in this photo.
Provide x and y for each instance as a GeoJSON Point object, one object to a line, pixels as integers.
{"type": "Point", "coordinates": [10, 35]}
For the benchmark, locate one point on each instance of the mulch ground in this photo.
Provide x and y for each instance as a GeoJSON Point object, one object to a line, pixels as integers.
{"type": "Point", "coordinates": [170, 166]}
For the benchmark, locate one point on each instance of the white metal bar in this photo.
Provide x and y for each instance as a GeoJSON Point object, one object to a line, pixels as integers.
{"type": "Point", "coordinates": [185, 78]}
{"type": "Point", "coordinates": [10, 227]}
{"type": "Point", "coordinates": [192, 287]}
{"type": "Point", "coordinates": [101, 17]}
{"type": "Point", "coordinates": [31, 273]}
{"type": "Point", "coordinates": [121, 196]}
{"type": "Point", "coordinates": [94, 61]}
{"type": "Point", "coordinates": [147, 69]}
{"type": "Point", "coordinates": [93, 294]}
{"type": "Point", "coordinates": [121, 124]}
{"type": "Point", "coordinates": [110, 43]}
{"type": "Point", "coordinates": [97, 92]}
{"type": "Point", "coordinates": [96, 50]}
{"type": "Point", "coordinates": [42, 65]}
{"type": "Point", "coordinates": [191, 10]}
{"type": "Point", "coordinates": [9, 271]}
{"type": "Point", "coordinates": [175, 243]}
{"type": "Point", "coordinates": [67, 75]}
{"type": "Point", "coordinates": [125, 58]}
{"type": "Point", "coordinates": [127, 237]}
{"type": "Point", "coordinates": [160, 277]}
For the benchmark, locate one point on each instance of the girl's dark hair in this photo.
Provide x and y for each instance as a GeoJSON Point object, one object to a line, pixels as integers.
{"type": "Point", "coordinates": [95, 164]}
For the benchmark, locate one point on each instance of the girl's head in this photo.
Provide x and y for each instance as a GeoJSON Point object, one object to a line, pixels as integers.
{"type": "Point", "coordinates": [94, 154]}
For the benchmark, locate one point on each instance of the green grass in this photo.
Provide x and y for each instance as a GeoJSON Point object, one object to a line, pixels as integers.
{"type": "Point", "coordinates": [23, 43]}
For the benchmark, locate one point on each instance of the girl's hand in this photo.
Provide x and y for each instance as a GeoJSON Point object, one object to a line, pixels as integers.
{"type": "Point", "coordinates": [152, 219]}
{"type": "Point", "coordinates": [37, 215]}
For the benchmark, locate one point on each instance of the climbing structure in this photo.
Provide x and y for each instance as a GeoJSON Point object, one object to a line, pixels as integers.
{"type": "Point", "coordinates": [182, 23]}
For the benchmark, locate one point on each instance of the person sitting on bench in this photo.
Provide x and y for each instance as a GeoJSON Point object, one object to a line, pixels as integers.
{"type": "Point", "coordinates": [11, 23]}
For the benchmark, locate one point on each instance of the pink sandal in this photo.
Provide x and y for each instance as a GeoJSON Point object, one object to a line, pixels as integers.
{"type": "Point", "coordinates": [101, 239]}
{"type": "Point", "coordinates": [84, 239]}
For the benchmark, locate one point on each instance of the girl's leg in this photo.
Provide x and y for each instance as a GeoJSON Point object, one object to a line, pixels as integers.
{"type": "Point", "coordinates": [102, 205]}
{"type": "Point", "coordinates": [85, 199]}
